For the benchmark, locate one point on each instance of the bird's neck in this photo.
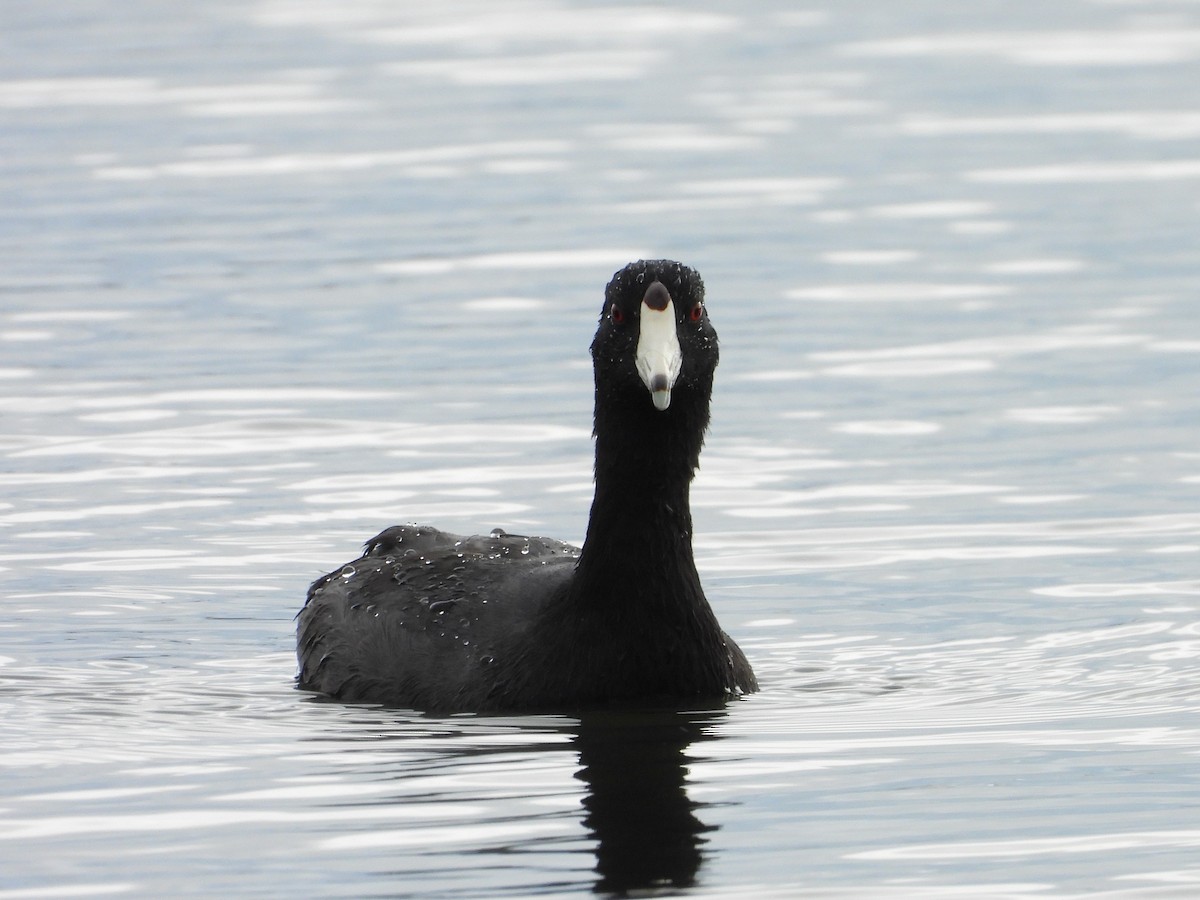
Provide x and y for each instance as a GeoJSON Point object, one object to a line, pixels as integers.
{"type": "Point", "coordinates": [638, 548]}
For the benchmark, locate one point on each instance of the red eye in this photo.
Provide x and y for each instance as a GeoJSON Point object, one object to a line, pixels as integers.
{"type": "Point", "coordinates": [616, 314]}
{"type": "Point", "coordinates": [696, 312]}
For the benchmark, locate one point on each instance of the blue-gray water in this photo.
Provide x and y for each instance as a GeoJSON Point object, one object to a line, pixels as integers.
{"type": "Point", "coordinates": [276, 275]}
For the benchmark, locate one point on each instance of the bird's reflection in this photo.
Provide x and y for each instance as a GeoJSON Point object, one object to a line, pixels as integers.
{"type": "Point", "coordinates": [645, 834]}
{"type": "Point", "coordinates": [634, 764]}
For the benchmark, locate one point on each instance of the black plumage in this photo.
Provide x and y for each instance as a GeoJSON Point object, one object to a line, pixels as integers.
{"type": "Point", "coordinates": [436, 621]}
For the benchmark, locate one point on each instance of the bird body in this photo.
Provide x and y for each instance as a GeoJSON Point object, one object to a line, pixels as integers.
{"type": "Point", "coordinates": [437, 621]}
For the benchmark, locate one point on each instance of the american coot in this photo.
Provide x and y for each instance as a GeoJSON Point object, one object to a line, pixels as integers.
{"type": "Point", "coordinates": [437, 621]}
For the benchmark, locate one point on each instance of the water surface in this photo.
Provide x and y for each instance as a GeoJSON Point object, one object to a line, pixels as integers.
{"type": "Point", "coordinates": [274, 276]}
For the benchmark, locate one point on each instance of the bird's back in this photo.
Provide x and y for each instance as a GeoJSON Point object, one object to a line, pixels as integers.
{"type": "Point", "coordinates": [428, 619]}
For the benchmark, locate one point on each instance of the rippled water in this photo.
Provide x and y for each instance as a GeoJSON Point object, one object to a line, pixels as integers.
{"type": "Point", "coordinates": [276, 275]}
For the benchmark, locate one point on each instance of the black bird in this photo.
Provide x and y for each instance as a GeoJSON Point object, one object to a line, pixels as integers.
{"type": "Point", "coordinates": [440, 622]}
